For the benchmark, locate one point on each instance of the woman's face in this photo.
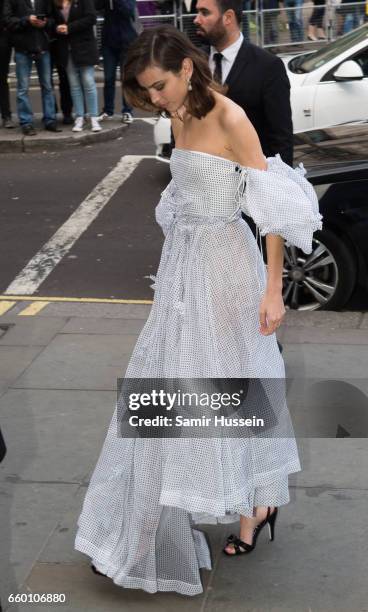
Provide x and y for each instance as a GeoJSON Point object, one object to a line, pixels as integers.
{"type": "Point", "coordinates": [167, 90]}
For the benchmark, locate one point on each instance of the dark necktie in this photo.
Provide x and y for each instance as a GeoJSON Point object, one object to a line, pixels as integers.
{"type": "Point", "coordinates": [217, 73]}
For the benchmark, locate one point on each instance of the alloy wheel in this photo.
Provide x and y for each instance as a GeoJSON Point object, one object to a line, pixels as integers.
{"type": "Point", "coordinates": [309, 281]}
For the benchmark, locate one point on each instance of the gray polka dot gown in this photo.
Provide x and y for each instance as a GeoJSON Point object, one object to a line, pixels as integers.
{"type": "Point", "coordinates": [147, 495]}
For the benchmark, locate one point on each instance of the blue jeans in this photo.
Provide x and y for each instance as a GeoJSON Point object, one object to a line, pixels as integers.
{"type": "Point", "coordinates": [295, 19]}
{"type": "Point", "coordinates": [111, 60]}
{"type": "Point", "coordinates": [23, 72]}
{"type": "Point", "coordinates": [82, 88]}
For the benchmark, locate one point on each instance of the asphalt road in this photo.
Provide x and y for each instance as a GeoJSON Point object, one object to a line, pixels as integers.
{"type": "Point", "coordinates": [115, 250]}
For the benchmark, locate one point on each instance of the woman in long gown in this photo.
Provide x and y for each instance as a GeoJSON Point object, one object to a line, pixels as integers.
{"type": "Point", "coordinates": [214, 315]}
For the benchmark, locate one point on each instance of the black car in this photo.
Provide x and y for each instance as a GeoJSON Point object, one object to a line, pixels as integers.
{"type": "Point", "coordinates": [336, 160]}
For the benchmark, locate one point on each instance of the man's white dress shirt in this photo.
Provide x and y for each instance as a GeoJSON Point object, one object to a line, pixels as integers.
{"type": "Point", "coordinates": [229, 55]}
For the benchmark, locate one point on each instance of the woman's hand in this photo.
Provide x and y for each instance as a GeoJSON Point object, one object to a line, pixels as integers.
{"type": "Point", "coordinates": [62, 29]}
{"type": "Point", "coordinates": [271, 312]}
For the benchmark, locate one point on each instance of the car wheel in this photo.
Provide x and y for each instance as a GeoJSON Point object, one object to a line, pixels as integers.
{"type": "Point", "coordinates": [324, 279]}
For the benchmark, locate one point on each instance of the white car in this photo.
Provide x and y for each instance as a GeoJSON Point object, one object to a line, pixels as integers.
{"type": "Point", "coordinates": [328, 87]}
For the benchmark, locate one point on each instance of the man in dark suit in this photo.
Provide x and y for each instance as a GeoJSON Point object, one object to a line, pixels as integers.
{"type": "Point", "coordinates": [256, 79]}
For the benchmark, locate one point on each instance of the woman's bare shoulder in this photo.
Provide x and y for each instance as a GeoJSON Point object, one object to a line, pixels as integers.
{"type": "Point", "coordinates": [240, 134]}
{"type": "Point", "coordinates": [230, 113]}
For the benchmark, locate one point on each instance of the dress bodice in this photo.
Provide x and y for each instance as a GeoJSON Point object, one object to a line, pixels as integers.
{"type": "Point", "coordinates": [212, 189]}
{"type": "Point", "coordinates": [206, 184]}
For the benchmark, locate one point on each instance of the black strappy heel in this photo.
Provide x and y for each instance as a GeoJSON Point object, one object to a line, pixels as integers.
{"type": "Point", "coordinates": [270, 520]}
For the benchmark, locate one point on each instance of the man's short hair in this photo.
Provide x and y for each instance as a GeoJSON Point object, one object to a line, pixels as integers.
{"type": "Point", "coordinates": [235, 5]}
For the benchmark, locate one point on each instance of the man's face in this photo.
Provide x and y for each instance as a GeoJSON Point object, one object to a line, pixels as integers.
{"type": "Point", "coordinates": [209, 22]}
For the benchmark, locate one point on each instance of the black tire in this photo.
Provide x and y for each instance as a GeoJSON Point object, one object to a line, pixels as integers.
{"type": "Point", "coordinates": [340, 272]}
{"type": "Point", "coordinates": [346, 265]}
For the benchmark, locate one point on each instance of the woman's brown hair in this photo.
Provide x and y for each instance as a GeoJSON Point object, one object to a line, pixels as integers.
{"type": "Point", "coordinates": [166, 48]}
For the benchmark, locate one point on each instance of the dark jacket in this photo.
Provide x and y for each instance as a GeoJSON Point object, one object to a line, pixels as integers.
{"type": "Point", "coordinates": [25, 37]}
{"type": "Point", "coordinates": [258, 82]}
{"type": "Point", "coordinates": [80, 40]}
{"type": "Point", "coordinates": [118, 29]}
{"type": "Point", "coordinates": [2, 21]}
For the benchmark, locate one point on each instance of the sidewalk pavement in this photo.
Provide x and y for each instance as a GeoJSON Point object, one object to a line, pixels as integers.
{"type": "Point", "coordinates": [13, 141]}
{"type": "Point", "coordinates": [58, 383]}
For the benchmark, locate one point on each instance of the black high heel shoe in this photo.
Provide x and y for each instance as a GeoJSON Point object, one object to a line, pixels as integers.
{"type": "Point", "coordinates": [270, 520]}
{"type": "Point", "coordinates": [95, 571]}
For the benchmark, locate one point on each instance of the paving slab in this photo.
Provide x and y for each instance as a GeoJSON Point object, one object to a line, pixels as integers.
{"type": "Point", "coordinates": [323, 318]}
{"type": "Point", "coordinates": [108, 311]}
{"type": "Point", "coordinates": [331, 466]}
{"type": "Point", "coordinates": [333, 361]}
{"type": "Point", "coordinates": [78, 361]}
{"type": "Point", "coordinates": [58, 434]}
{"type": "Point", "coordinates": [31, 331]}
{"type": "Point", "coordinates": [311, 565]}
{"type": "Point", "coordinates": [29, 513]}
{"type": "Point", "coordinates": [14, 360]}
{"type": "Point", "coordinates": [328, 407]}
{"type": "Point", "coordinates": [79, 325]}
{"type": "Point", "coordinates": [321, 335]}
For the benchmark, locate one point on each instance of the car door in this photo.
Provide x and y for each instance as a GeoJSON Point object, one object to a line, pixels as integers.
{"type": "Point", "coordinates": [337, 102]}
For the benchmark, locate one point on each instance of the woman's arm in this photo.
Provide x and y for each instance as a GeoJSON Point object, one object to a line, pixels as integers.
{"type": "Point", "coordinates": [247, 151]}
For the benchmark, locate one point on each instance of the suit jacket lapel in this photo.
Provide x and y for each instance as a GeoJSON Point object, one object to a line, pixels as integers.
{"type": "Point", "coordinates": [241, 60]}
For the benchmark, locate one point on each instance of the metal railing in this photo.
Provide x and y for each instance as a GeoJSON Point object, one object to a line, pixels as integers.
{"type": "Point", "coordinates": [294, 23]}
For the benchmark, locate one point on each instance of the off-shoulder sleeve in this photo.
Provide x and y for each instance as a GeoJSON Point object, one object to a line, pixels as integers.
{"type": "Point", "coordinates": [165, 209]}
{"type": "Point", "coordinates": [280, 201]}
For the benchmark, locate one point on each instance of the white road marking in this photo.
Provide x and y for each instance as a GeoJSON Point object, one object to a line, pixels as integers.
{"type": "Point", "coordinates": [43, 263]}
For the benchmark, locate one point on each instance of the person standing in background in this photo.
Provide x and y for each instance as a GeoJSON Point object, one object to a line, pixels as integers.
{"type": "Point", "coordinates": [5, 53]}
{"type": "Point", "coordinates": [294, 12]}
{"type": "Point", "coordinates": [315, 26]}
{"type": "Point", "coordinates": [271, 15]}
{"type": "Point", "coordinates": [65, 97]}
{"type": "Point", "coordinates": [30, 23]}
{"type": "Point", "coordinates": [76, 50]}
{"type": "Point", "coordinates": [118, 33]}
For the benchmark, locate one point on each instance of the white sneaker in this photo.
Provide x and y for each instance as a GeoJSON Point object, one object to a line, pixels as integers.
{"type": "Point", "coordinates": [104, 116]}
{"type": "Point", "coordinates": [95, 126]}
{"type": "Point", "coordinates": [78, 124]}
{"type": "Point", "coordinates": [127, 118]}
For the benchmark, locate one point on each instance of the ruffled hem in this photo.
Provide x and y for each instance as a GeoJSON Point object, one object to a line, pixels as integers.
{"type": "Point", "coordinates": [101, 561]}
{"type": "Point", "coordinates": [274, 491]}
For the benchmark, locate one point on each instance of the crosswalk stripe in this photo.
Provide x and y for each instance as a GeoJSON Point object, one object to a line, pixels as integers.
{"type": "Point", "coordinates": [43, 263]}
